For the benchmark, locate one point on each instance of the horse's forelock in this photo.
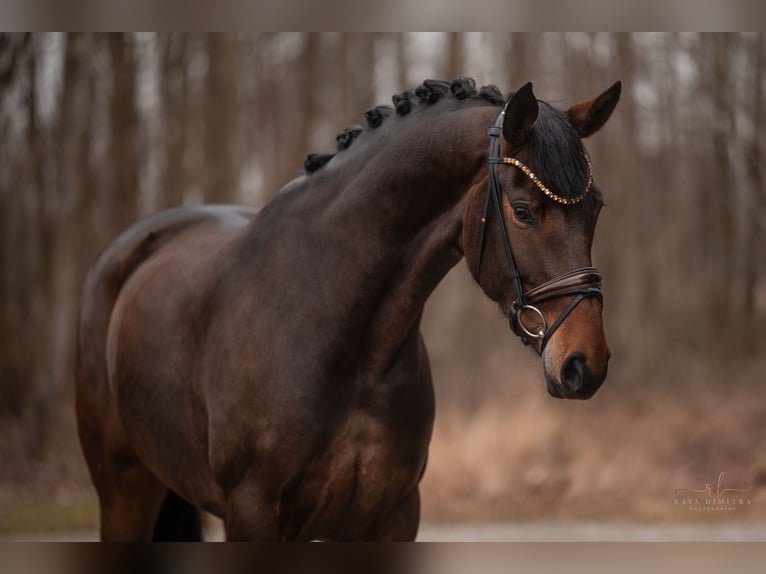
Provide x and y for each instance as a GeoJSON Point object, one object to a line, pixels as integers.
{"type": "Point", "coordinates": [558, 153]}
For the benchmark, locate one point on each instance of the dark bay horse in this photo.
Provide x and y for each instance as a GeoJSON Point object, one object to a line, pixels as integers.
{"type": "Point", "coordinates": [267, 366]}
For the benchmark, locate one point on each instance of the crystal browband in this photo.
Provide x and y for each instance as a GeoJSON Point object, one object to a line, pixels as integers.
{"type": "Point", "coordinates": [542, 186]}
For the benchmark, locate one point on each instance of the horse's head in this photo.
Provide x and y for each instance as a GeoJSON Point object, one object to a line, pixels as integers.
{"type": "Point", "coordinates": [540, 182]}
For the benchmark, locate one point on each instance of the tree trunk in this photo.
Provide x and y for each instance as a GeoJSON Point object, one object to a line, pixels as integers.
{"type": "Point", "coordinates": [454, 64]}
{"type": "Point", "coordinates": [175, 107]}
{"type": "Point", "coordinates": [756, 214]}
{"type": "Point", "coordinates": [124, 133]}
{"type": "Point", "coordinates": [521, 59]}
{"type": "Point", "coordinates": [402, 62]}
{"type": "Point", "coordinates": [719, 194]}
{"type": "Point", "coordinates": [220, 166]}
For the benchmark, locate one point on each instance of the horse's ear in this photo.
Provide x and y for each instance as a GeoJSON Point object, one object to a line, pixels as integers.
{"type": "Point", "coordinates": [588, 117]}
{"type": "Point", "coordinates": [520, 115]}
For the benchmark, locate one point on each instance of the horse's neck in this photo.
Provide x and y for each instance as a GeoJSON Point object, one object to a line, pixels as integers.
{"type": "Point", "coordinates": [406, 208]}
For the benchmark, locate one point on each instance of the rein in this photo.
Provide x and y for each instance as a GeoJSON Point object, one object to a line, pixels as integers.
{"type": "Point", "coordinates": [582, 282]}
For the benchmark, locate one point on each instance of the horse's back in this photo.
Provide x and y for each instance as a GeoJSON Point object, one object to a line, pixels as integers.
{"type": "Point", "coordinates": [139, 241]}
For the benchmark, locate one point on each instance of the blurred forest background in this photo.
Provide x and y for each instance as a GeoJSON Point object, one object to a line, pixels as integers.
{"type": "Point", "coordinates": [98, 130]}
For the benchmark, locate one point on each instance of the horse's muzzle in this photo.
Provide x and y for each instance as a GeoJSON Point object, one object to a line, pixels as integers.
{"type": "Point", "coordinates": [576, 380]}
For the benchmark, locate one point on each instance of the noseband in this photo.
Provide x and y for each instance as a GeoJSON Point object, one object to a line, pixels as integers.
{"type": "Point", "coordinates": [581, 282]}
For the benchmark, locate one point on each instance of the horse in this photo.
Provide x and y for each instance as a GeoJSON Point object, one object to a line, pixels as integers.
{"type": "Point", "coordinates": [267, 366]}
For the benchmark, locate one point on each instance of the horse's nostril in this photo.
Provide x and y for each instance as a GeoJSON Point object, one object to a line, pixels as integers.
{"type": "Point", "coordinates": [573, 372]}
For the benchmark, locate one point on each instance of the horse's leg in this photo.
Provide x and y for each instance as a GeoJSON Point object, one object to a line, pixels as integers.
{"type": "Point", "coordinates": [130, 496]}
{"type": "Point", "coordinates": [402, 524]}
{"type": "Point", "coordinates": [251, 514]}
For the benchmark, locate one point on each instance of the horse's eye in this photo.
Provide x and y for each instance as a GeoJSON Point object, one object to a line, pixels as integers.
{"type": "Point", "coordinates": [522, 214]}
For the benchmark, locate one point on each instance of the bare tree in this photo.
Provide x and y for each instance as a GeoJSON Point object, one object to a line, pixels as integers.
{"type": "Point", "coordinates": [220, 168]}
{"type": "Point", "coordinates": [717, 195]}
{"type": "Point", "coordinates": [124, 129]}
{"type": "Point", "coordinates": [175, 89]}
{"type": "Point", "coordinates": [454, 61]}
{"type": "Point", "coordinates": [755, 235]}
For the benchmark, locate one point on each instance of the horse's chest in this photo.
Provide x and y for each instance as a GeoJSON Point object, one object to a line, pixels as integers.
{"type": "Point", "coordinates": [367, 469]}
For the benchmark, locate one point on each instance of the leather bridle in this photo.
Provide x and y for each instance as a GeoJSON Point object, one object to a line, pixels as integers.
{"type": "Point", "coordinates": [582, 282]}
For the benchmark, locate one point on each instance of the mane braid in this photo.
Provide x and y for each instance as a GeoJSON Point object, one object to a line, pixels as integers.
{"type": "Point", "coordinates": [402, 103]}
{"type": "Point", "coordinates": [492, 94]}
{"type": "Point", "coordinates": [430, 92]}
{"type": "Point", "coordinates": [376, 115]}
{"type": "Point", "coordinates": [463, 87]}
{"type": "Point", "coordinates": [316, 160]}
{"type": "Point", "coordinates": [346, 137]}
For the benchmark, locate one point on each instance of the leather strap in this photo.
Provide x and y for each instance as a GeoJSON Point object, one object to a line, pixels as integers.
{"type": "Point", "coordinates": [495, 196]}
{"type": "Point", "coordinates": [582, 282]}
{"type": "Point", "coordinates": [568, 283]}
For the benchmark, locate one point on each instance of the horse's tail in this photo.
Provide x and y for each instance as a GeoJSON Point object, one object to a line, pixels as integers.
{"type": "Point", "coordinates": [178, 521]}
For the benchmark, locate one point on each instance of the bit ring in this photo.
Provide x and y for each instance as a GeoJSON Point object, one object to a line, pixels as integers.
{"type": "Point", "coordinates": [539, 334]}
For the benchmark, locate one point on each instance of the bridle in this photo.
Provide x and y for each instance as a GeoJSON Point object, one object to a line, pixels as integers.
{"type": "Point", "coordinates": [582, 282]}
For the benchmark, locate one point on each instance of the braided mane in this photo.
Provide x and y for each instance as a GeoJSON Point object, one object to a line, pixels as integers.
{"type": "Point", "coordinates": [556, 148]}
{"type": "Point", "coordinates": [427, 94]}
